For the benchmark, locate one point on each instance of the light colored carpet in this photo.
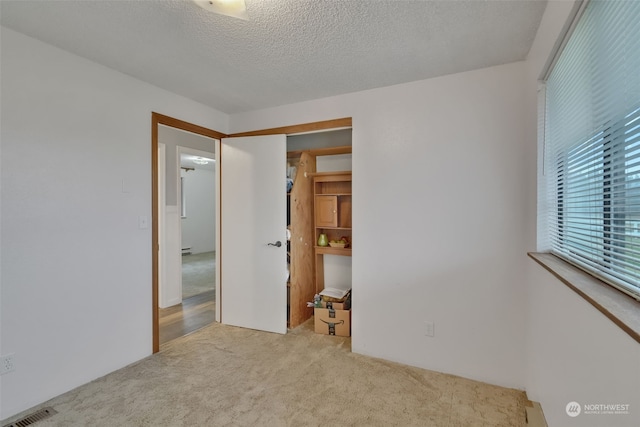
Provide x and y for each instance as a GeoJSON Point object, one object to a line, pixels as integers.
{"type": "Point", "coordinates": [228, 376]}
{"type": "Point", "coordinates": [198, 273]}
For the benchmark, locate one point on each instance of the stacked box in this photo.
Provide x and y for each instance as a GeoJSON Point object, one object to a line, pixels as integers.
{"type": "Point", "coordinates": [332, 321]}
{"type": "Point", "coordinates": [345, 305]}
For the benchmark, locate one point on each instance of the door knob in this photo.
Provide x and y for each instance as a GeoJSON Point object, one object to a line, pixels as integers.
{"type": "Point", "coordinates": [276, 244]}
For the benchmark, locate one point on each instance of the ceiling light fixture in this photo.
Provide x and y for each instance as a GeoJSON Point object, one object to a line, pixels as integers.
{"type": "Point", "coordinates": [233, 8]}
{"type": "Point", "coordinates": [200, 161]}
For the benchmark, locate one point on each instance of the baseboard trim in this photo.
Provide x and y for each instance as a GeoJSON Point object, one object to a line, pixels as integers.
{"type": "Point", "coordinates": [172, 302]}
{"type": "Point", "coordinates": [534, 414]}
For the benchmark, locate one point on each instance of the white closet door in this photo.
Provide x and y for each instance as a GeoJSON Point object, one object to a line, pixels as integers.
{"type": "Point", "coordinates": [253, 220]}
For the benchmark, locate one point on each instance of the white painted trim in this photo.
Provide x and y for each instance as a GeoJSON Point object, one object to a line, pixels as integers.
{"type": "Point", "coordinates": [161, 220]}
{"type": "Point", "coordinates": [218, 252]}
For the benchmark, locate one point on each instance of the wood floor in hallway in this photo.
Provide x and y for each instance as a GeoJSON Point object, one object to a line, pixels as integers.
{"type": "Point", "coordinates": [194, 313]}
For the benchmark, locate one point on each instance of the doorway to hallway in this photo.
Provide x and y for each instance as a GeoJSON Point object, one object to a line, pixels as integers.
{"type": "Point", "coordinates": [174, 315]}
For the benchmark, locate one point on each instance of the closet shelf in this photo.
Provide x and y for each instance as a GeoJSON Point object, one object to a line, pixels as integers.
{"type": "Point", "coordinates": [328, 250]}
{"type": "Point", "coordinates": [336, 176]}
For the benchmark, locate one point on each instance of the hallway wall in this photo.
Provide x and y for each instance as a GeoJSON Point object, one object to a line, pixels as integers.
{"type": "Point", "coordinates": [199, 226]}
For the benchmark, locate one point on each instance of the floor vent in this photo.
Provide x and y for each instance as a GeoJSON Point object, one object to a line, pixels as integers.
{"type": "Point", "coordinates": [33, 418]}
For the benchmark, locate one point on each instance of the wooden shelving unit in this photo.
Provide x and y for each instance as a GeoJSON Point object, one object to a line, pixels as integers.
{"type": "Point", "coordinates": [332, 216]}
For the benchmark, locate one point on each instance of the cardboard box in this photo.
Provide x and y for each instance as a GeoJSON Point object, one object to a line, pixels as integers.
{"type": "Point", "coordinates": [346, 305]}
{"type": "Point", "coordinates": [332, 322]}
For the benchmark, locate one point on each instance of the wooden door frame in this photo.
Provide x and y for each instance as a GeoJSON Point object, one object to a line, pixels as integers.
{"type": "Point", "coordinates": [157, 120]}
{"type": "Point", "coordinates": [334, 124]}
{"type": "Point", "coordinates": [160, 119]}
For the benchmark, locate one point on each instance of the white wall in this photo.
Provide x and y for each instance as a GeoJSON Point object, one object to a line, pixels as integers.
{"type": "Point", "coordinates": [170, 277]}
{"type": "Point", "coordinates": [198, 228]}
{"type": "Point", "coordinates": [333, 163]}
{"type": "Point", "coordinates": [169, 262]}
{"type": "Point", "coordinates": [76, 176]}
{"type": "Point", "coordinates": [574, 353]}
{"type": "Point", "coordinates": [438, 217]}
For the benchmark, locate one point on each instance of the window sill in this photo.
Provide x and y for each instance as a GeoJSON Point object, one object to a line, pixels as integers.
{"type": "Point", "coordinates": [622, 309]}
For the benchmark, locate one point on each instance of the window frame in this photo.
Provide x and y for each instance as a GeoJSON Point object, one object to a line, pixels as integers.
{"type": "Point", "coordinates": [564, 233]}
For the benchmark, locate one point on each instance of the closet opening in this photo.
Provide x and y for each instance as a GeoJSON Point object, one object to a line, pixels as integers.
{"type": "Point", "coordinates": [312, 157]}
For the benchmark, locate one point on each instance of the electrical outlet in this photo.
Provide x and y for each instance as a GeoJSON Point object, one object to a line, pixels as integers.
{"type": "Point", "coordinates": [6, 364]}
{"type": "Point", "coordinates": [429, 329]}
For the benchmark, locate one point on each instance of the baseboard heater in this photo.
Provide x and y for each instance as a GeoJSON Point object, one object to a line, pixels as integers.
{"type": "Point", "coordinates": [186, 251]}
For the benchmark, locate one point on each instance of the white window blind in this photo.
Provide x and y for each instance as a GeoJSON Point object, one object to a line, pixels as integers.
{"type": "Point", "coordinates": [592, 145]}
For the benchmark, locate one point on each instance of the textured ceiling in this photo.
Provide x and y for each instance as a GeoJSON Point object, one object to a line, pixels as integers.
{"type": "Point", "coordinates": [289, 50]}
